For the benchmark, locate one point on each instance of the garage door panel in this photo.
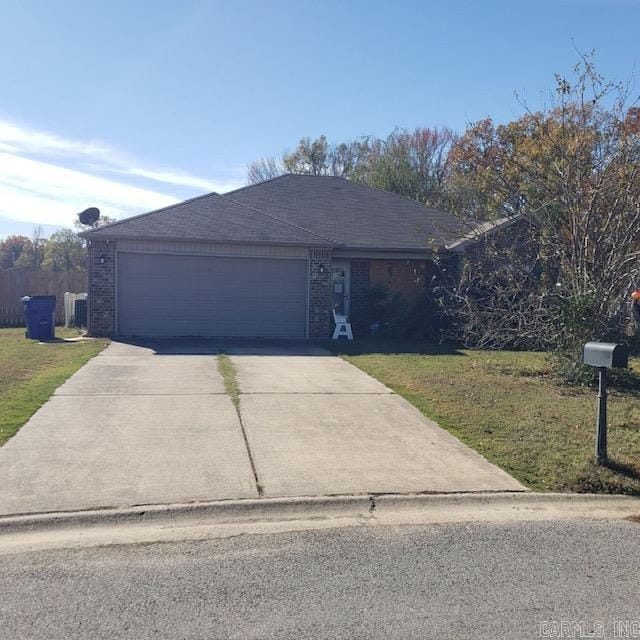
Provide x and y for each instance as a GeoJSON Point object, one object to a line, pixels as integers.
{"type": "Point", "coordinates": [178, 295]}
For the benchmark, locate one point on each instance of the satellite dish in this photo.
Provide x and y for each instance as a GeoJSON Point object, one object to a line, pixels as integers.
{"type": "Point", "coordinates": [89, 216]}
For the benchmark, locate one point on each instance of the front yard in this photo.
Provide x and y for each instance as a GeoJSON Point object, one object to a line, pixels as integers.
{"type": "Point", "coordinates": [507, 406]}
{"type": "Point", "coordinates": [30, 372]}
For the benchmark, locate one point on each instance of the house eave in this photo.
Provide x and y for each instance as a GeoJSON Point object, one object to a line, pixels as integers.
{"type": "Point", "coordinates": [340, 250]}
{"type": "Point", "coordinates": [481, 232]}
{"type": "Point", "coordinates": [90, 236]}
{"type": "Point", "coordinates": [381, 253]}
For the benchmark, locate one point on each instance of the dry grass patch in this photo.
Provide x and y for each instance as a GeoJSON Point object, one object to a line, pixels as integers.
{"type": "Point", "coordinates": [228, 373]}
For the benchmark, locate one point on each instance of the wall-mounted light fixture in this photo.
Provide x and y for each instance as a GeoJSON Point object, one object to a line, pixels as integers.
{"type": "Point", "coordinates": [321, 268]}
{"type": "Point", "coordinates": [102, 259]}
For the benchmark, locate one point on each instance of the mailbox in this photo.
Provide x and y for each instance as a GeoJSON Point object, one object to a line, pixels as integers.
{"type": "Point", "coordinates": [605, 354]}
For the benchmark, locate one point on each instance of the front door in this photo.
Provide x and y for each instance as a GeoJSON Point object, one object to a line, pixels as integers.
{"type": "Point", "coordinates": [340, 287]}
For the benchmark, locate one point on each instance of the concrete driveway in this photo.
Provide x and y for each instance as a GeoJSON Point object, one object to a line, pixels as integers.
{"type": "Point", "coordinates": [145, 424]}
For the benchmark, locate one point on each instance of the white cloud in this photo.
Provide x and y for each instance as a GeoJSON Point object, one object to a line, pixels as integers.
{"type": "Point", "coordinates": [36, 186]}
{"type": "Point", "coordinates": [175, 177]}
{"type": "Point", "coordinates": [41, 192]}
{"type": "Point", "coordinates": [15, 139]}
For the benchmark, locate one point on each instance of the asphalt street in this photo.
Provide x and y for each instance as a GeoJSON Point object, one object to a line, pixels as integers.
{"type": "Point", "coordinates": [490, 580]}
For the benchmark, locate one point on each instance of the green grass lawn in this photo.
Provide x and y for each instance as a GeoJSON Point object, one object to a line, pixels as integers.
{"type": "Point", "coordinates": [30, 372]}
{"type": "Point", "coordinates": [507, 406]}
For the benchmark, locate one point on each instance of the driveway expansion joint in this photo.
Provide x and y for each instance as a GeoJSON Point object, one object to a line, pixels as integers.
{"type": "Point", "coordinates": [259, 487]}
{"type": "Point", "coordinates": [229, 375]}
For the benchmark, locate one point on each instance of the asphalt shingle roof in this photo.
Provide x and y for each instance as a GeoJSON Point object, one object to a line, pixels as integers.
{"type": "Point", "coordinates": [298, 209]}
{"type": "Point", "coordinates": [213, 218]}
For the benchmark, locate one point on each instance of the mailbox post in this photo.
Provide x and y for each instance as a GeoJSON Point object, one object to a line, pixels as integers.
{"type": "Point", "coordinates": [601, 429]}
{"type": "Point", "coordinates": [603, 355]}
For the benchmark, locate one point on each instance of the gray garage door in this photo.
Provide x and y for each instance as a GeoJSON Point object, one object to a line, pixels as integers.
{"type": "Point", "coordinates": [179, 295]}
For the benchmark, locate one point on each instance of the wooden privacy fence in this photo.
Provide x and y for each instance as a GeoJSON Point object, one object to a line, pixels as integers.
{"type": "Point", "coordinates": [17, 283]}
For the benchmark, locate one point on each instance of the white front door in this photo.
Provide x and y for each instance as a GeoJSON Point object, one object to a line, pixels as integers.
{"type": "Point", "coordinates": [341, 287]}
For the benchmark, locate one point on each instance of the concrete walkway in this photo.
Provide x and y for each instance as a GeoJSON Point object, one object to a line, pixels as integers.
{"type": "Point", "coordinates": [150, 424]}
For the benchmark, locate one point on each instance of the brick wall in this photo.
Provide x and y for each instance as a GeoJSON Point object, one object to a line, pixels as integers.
{"type": "Point", "coordinates": [359, 288]}
{"type": "Point", "coordinates": [319, 293]}
{"type": "Point", "coordinates": [407, 277]}
{"type": "Point", "coordinates": [102, 288]}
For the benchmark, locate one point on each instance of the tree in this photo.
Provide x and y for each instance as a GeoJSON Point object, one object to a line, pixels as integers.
{"type": "Point", "coordinates": [33, 253]}
{"type": "Point", "coordinates": [11, 249]}
{"type": "Point", "coordinates": [311, 157]}
{"type": "Point", "coordinates": [572, 172]}
{"type": "Point", "coordinates": [410, 163]}
{"type": "Point", "coordinates": [38, 243]}
{"type": "Point", "coordinates": [263, 169]}
{"type": "Point", "coordinates": [65, 251]}
{"type": "Point", "coordinates": [101, 222]}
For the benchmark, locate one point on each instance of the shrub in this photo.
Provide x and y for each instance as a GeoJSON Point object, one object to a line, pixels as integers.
{"type": "Point", "coordinates": [394, 316]}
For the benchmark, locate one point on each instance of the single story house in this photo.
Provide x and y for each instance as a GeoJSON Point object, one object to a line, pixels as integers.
{"type": "Point", "coordinates": [267, 260]}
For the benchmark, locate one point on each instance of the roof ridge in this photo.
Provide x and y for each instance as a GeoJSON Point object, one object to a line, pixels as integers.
{"type": "Point", "coordinates": [289, 174]}
{"type": "Point", "coordinates": [392, 193]}
{"type": "Point", "coordinates": [208, 195]}
{"type": "Point", "coordinates": [353, 182]}
{"type": "Point", "coordinates": [255, 184]}
{"type": "Point", "coordinates": [148, 213]}
{"type": "Point", "coordinates": [272, 217]}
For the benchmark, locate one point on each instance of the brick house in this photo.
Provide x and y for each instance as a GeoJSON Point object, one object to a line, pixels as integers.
{"type": "Point", "coordinates": [267, 260]}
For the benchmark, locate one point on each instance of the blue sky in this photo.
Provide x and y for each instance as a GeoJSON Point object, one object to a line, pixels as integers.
{"type": "Point", "coordinates": [131, 105]}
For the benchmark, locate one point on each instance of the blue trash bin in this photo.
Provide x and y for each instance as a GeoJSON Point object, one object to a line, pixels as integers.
{"type": "Point", "coordinates": [40, 315]}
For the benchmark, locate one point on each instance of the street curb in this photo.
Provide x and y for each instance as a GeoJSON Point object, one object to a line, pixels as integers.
{"type": "Point", "coordinates": [509, 507]}
{"type": "Point", "coordinates": [383, 507]}
{"type": "Point", "coordinates": [222, 512]}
